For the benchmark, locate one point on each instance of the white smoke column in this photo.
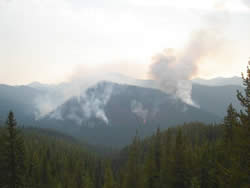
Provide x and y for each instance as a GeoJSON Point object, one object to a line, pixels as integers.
{"type": "Point", "coordinates": [57, 95]}
{"type": "Point", "coordinates": [46, 102]}
{"type": "Point", "coordinates": [43, 105]}
{"type": "Point", "coordinates": [138, 109]}
{"type": "Point", "coordinates": [57, 114]}
{"type": "Point", "coordinates": [73, 115]}
{"type": "Point", "coordinates": [172, 70]}
{"type": "Point", "coordinates": [90, 104]}
{"type": "Point", "coordinates": [95, 102]}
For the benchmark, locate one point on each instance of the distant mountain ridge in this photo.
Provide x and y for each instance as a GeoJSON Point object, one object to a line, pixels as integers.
{"type": "Point", "coordinates": [108, 111]}
{"type": "Point", "coordinates": [20, 99]}
{"type": "Point", "coordinates": [219, 81]}
{"type": "Point", "coordinates": [126, 109]}
{"type": "Point", "coordinates": [122, 79]}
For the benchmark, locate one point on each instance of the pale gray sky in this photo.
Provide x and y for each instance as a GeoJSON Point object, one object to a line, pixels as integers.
{"type": "Point", "coordinates": [48, 40]}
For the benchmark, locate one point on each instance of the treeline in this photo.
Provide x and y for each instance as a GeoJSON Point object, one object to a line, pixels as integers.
{"type": "Point", "coordinates": [44, 158]}
{"type": "Point", "coordinates": [39, 158]}
{"type": "Point", "coordinates": [193, 155]}
{"type": "Point", "coordinates": [190, 156]}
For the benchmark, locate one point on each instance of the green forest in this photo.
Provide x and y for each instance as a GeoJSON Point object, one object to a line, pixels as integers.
{"type": "Point", "coordinates": [193, 155]}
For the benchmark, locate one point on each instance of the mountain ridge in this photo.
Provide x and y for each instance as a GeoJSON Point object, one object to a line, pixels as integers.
{"type": "Point", "coordinates": [100, 115]}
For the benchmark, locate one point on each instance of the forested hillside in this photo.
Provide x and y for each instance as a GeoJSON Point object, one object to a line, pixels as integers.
{"type": "Point", "coordinates": [47, 159]}
{"type": "Point", "coordinates": [193, 155]}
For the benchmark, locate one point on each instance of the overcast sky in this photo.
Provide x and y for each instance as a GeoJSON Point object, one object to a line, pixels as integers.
{"type": "Point", "coordinates": [49, 40]}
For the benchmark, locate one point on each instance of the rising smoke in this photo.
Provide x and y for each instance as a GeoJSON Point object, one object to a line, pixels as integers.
{"type": "Point", "coordinates": [78, 85]}
{"type": "Point", "coordinates": [57, 95]}
{"type": "Point", "coordinates": [90, 104]}
{"type": "Point", "coordinates": [139, 110]}
{"type": "Point", "coordinates": [95, 102]}
{"type": "Point", "coordinates": [172, 70]}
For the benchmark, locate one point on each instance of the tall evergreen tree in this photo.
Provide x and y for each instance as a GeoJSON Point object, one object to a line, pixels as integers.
{"type": "Point", "coordinates": [230, 122]}
{"type": "Point", "coordinates": [151, 176]}
{"type": "Point", "coordinates": [157, 150]}
{"type": "Point", "coordinates": [12, 156]}
{"type": "Point", "coordinates": [227, 159]}
{"type": "Point", "coordinates": [180, 168]}
{"type": "Point", "coordinates": [132, 175]}
{"type": "Point", "coordinates": [166, 160]}
{"type": "Point", "coordinates": [88, 182]}
{"type": "Point", "coordinates": [244, 116]}
{"type": "Point", "coordinates": [108, 178]}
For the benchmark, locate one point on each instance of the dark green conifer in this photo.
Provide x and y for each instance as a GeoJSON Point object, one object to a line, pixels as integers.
{"type": "Point", "coordinates": [109, 181]}
{"type": "Point", "coordinates": [12, 157]}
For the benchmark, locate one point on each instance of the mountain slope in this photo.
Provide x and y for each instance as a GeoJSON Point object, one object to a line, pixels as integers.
{"type": "Point", "coordinates": [219, 81]}
{"type": "Point", "coordinates": [215, 99]}
{"type": "Point", "coordinates": [20, 99]}
{"type": "Point", "coordinates": [110, 113]}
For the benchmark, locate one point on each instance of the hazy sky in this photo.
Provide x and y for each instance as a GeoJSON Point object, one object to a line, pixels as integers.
{"type": "Point", "coordinates": [50, 40]}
